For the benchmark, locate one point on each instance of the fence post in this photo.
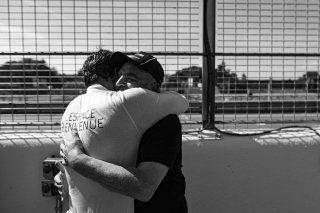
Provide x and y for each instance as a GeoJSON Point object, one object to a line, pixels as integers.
{"type": "Point", "coordinates": [208, 71]}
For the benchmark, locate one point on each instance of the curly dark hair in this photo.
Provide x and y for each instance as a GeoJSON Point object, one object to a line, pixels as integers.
{"type": "Point", "coordinates": [98, 64]}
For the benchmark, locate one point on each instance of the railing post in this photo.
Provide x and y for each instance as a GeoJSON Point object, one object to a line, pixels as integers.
{"type": "Point", "coordinates": [208, 71]}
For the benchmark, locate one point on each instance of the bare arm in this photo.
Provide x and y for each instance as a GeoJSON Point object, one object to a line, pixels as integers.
{"type": "Point", "coordinates": [165, 103]}
{"type": "Point", "coordinates": [139, 183]}
{"type": "Point", "coordinates": [147, 107]}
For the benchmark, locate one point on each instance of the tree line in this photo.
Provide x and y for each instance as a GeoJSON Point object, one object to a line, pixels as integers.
{"type": "Point", "coordinates": [228, 82]}
{"type": "Point", "coordinates": [31, 76]}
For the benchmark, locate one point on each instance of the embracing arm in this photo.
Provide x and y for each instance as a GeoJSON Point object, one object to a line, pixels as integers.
{"type": "Point", "coordinates": [168, 102]}
{"type": "Point", "coordinates": [147, 107]}
{"type": "Point", "coordinates": [172, 101]}
{"type": "Point", "coordinates": [139, 183]}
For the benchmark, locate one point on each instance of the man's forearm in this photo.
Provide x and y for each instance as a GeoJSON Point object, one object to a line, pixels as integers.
{"type": "Point", "coordinates": [126, 181]}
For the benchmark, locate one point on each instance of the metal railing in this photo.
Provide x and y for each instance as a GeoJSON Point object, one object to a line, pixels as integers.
{"type": "Point", "coordinates": [253, 64]}
{"type": "Point", "coordinates": [266, 57]}
{"type": "Point", "coordinates": [44, 44]}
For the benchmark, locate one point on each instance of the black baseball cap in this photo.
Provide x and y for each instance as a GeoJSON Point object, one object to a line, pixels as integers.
{"type": "Point", "coordinates": [142, 60]}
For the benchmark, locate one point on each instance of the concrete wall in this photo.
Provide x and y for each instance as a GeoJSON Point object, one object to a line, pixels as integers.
{"type": "Point", "coordinates": [271, 173]}
{"type": "Point", "coordinates": [21, 157]}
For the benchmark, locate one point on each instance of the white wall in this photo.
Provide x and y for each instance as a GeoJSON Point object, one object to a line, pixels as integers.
{"type": "Point", "coordinates": [273, 173]}
{"type": "Point", "coordinates": [21, 157]}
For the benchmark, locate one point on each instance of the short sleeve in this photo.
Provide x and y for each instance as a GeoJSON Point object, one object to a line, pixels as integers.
{"type": "Point", "coordinates": [162, 142]}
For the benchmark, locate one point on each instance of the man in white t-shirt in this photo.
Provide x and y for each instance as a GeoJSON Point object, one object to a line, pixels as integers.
{"type": "Point", "coordinates": [110, 125]}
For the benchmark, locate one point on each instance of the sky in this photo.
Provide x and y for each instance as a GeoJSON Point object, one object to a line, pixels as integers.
{"type": "Point", "coordinates": [243, 26]}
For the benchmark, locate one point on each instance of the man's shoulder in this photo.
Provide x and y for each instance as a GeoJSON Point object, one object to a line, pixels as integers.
{"type": "Point", "coordinates": [171, 121]}
{"type": "Point", "coordinates": [171, 118]}
{"type": "Point", "coordinates": [74, 102]}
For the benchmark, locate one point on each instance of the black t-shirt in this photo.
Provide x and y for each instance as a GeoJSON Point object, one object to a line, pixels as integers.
{"type": "Point", "coordinates": [162, 143]}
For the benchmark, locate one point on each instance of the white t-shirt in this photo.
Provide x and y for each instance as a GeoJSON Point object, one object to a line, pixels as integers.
{"type": "Point", "coordinates": [110, 125]}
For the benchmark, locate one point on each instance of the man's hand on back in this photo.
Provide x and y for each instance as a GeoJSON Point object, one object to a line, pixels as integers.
{"type": "Point", "coordinates": [72, 150]}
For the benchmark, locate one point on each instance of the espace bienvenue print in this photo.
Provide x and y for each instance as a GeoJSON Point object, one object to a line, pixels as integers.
{"type": "Point", "coordinates": [81, 121]}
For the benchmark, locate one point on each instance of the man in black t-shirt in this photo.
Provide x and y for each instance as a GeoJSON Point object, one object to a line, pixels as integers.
{"type": "Point", "coordinates": [162, 144]}
{"type": "Point", "coordinates": [157, 183]}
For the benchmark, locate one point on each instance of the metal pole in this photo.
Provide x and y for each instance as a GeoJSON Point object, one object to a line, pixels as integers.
{"type": "Point", "coordinates": [205, 88]}
{"type": "Point", "coordinates": [208, 92]}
